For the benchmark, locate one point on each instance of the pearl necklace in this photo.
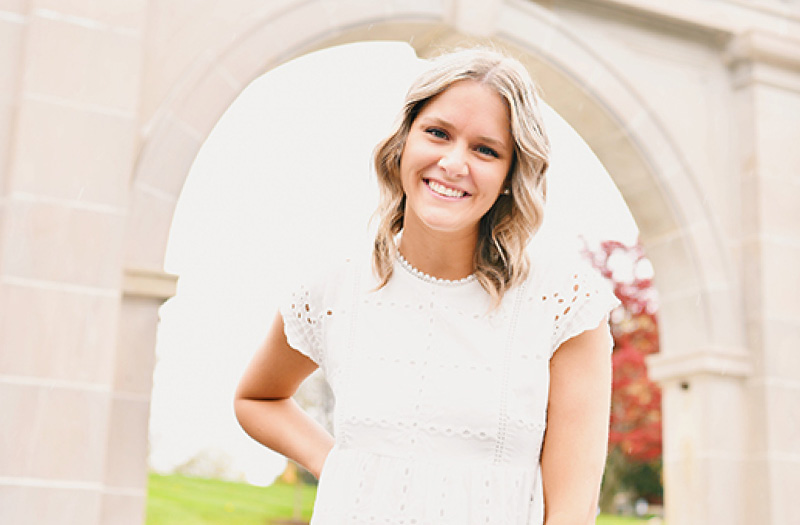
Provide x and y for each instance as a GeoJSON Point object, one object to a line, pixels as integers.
{"type": "Point", "coordinates": [431, 279]}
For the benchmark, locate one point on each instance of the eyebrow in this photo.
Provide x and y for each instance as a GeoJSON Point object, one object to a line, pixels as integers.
{"type": "Point", "coordinates": [483, 138]}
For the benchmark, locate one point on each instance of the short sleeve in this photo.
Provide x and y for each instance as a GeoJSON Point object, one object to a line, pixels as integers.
{"type": "Point", "coordinates": [310, 309]}
{"type": "Point", "coordinates": [580, 300]}
{"type": "Point", "coordinates": [302, 316]}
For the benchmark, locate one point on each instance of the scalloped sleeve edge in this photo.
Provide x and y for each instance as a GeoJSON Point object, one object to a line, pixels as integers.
{"type": "Point", "coordinates": [300, 334]}
{"type": "Point", "coordinates": [589, 317]}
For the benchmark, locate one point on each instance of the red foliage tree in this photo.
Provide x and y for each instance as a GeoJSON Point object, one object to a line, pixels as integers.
{"type": "Point", "coordinates": [636, 401]}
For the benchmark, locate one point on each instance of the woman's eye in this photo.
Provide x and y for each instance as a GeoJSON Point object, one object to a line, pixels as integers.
{"type": "Point", "coordinates": [436, 132]}
{"type": "Point", "coordinates": [485, 150]}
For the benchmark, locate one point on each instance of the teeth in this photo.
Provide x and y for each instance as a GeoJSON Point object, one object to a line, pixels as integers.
{"type": "Point", "coordinates": [443, 190]}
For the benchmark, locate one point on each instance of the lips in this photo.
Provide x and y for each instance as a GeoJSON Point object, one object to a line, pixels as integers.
{"type": "Point", "coordinates": [445, 191]}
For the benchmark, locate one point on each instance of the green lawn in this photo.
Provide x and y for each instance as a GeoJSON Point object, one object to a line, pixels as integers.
{"type": "Point", "coordinates": [605, 519]}
{"type": "Point", "coordinates": [179, 500]}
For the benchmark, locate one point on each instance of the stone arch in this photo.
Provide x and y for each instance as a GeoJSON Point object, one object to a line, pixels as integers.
{"type": "Point", "coordinates": [650, 171]}
{"type": "Point", "coordinates": [694, 271]}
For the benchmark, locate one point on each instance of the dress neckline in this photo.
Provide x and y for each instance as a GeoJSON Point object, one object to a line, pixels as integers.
{"type": "Point", "coordinates": [429, 278]}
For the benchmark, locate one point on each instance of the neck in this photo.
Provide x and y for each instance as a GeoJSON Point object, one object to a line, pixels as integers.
{"type": "Point", "coordinates": [448, 255]}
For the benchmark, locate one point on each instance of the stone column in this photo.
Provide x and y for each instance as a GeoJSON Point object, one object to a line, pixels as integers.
{"type": "Point", "coordinates": [125, 490]}
{"type": "Point", "coordinates": [67, 145]}
{"type": "Point", "coordinates": [766, 72]}
{"type": "Point", "coordinates": [704, 421]}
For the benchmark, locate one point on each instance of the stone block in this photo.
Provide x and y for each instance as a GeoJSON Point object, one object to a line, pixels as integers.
{"type": "Point", "coordinates": [715, 261]}
{"type": "Point", "coordinates": [23, 504]}
{"type": "Point", "coordinates": [11, 38]}
{"type": "Point", "coordinates": [82, 65]}
{"type": "Point", "coordinates": [721, 493]}
{"type": "Point", "coordinates": [615, 148]}
{"type": "Point", "coordinates": [749, 252]}
{"type": "Point", "coordinates": [148, 227]}
{"type": "Point", "coordinates": [167, 157]}
{"type": "Point", "coordinates": [184, 38]}
{"type": "Point", "coordinates": [135, 357]}
{"type": "Point", "coordinates": [704, 490]}
{"type": "Point", "coordinates": [530, 24]}
{"type": "Point", "coordinates": [6, 134]}
{"type": "Point", "coordinates": [779, 212]}
{"type": "Point", "coordinates": [750, 222]}
{"type": "Point", "coordinates": [773, 467]}
{"type": "Point", "coordinates": [126, 457]}
{"type": "Point", "coordinates": [14, 6]}
{"type": "Point", "coordinates": [782, 412]}
{"type": "Point", "coordinates": [725, 314]}
{"type": "Point", "coordinates": [627, 109]}
{"type": "Point", "coordinates": [208, 100]}
{"type": "Point", "coordinates": [681, 409]}
{"type": "Point", "coordinates": [53, 432]}
{"type": "Point", "coordinates": [123, 509]}
{"type": "Point", "coordinates": [53, 242]}
{"type": "Point", "coordinates": [56, 333]}
{"type": "Point", "coordinates": [777, 133]}
{"type": "Point", "coordinates": [721, 417]}
{"type": "Point", "coordinates": [758, 495]}
{"type": "Point", "coordinates": [654, 213]}
{"type": "Point", "coordinates": [683, 322]}
{"type": "Point", "coordinates": [780, 278]}
{"type": "Point", "coordinates": [785, 478]}
{"type": "Point", "coordinates": [674, 263]}
{"type": "Point", "coordinates": [294, 32]}
{"type": "Point", "coordinates": [118, 14]}
{"type": "Point", "coordinates": [687, 192]}
{"type": "Point", "coordinates": [780, 355]}
{"type": "Point", "coordinates": [74, 154]}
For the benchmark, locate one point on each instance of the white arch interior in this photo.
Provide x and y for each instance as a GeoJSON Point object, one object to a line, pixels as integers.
{"type": "Point", "coordinates": [282, 184]}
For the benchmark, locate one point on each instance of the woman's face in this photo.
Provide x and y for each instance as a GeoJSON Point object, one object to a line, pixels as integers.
{"type": "Point", "coordinates": [455, 160]}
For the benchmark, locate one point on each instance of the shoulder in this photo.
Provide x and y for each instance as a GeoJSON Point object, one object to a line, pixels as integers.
{"type": "Point", "coordinates": [574, 294]}
{"type": "Point", "coordinates": [555, 267]}
{"type": "Point", "coordinates": [326, 280]}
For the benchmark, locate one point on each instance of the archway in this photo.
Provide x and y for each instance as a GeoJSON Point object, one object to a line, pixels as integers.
{"type": "Point", "coordinates": [693, 273]}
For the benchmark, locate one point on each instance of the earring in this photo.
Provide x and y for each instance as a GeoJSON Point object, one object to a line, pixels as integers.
{"type": "Point", "coordinates": [507, 191]}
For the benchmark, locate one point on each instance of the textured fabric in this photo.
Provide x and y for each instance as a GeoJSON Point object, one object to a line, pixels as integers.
{"type": "Point", "coordinates": [440, 399]}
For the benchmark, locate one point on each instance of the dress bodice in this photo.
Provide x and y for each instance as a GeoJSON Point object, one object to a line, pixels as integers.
{"type": "Point", "coordinates": [436, 390]}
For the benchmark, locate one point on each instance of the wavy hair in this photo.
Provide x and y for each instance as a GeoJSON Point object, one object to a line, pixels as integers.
{"type": "Point", "coordinates": [500, 259]}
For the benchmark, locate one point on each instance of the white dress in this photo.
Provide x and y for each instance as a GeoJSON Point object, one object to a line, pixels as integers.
{"type": "Point", "coordinates": [440, 400]}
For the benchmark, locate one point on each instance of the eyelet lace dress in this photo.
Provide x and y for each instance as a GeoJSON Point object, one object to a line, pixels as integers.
{"type": "Point", "coordinates": [440, 400]}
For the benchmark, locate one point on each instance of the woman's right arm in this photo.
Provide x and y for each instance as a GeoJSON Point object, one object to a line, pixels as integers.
{"type": "Point", "coordinates": [265, 408]}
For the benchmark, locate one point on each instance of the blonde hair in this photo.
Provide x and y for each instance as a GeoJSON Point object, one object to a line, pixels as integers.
{"type": "Point", "coordinates": [500, 259]}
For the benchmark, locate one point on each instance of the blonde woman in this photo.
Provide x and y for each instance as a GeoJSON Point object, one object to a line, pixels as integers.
{"type": "Point", "coordinates": [471, 375]}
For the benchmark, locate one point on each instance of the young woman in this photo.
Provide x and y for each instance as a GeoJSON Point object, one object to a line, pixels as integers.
{"type": "Point", "coordinates": [471, 377]}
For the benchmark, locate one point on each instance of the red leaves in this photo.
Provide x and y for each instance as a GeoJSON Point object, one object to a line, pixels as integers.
{"type": "Point", "coordinates": [635, 406]}
{"type": "Point", "coordinates": [635, 400]}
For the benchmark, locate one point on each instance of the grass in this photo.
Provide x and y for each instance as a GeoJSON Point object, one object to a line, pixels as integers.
{"type": "Point", "coordinates": [181, 500]}
{"type": "Point", "coordinates": [606, 519]}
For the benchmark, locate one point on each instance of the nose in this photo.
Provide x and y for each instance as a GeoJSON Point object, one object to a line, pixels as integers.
{"type": "Point", "coordinates": [454, 162]}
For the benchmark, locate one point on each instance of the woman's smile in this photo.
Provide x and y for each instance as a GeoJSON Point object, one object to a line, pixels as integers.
{"type": "Point", "coordinates": [443, 190]}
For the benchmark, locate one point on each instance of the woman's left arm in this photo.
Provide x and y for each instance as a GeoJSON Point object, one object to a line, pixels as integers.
{"type": "Point", "coordinates": [576, 440]}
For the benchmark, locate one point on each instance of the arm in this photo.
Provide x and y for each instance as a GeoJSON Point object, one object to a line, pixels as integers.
{"type": "Point", "coordinates": [265, 408]}
{"type": "Point", "coordinates": [576, 440]}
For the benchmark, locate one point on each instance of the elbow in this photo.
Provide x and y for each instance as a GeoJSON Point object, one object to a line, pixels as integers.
{"type": "Point", "coordinates": [240, 410]}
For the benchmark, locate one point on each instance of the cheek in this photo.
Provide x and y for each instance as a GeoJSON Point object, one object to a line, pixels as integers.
{"type": "Point", "coordinates": [494, 181]}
